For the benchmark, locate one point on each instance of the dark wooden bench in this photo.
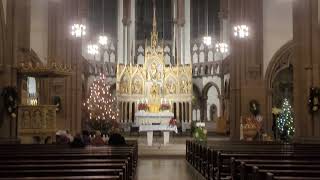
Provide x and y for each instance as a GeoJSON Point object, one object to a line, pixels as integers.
{"type": "Point", "coordinates": [63, 162]}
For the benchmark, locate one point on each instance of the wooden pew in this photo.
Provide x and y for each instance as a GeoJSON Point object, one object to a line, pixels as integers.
{"type": "Point", "coordinates": [63, 161]}
{"type": "Point", "coordinates": [198, 154]}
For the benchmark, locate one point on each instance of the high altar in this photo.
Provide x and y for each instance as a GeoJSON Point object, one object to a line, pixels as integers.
{"type": "Point", "coordinates": [152, 82]}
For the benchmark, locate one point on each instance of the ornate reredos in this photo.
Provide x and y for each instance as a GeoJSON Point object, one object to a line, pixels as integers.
{"type": "Point", "coordinates": [135, 82]}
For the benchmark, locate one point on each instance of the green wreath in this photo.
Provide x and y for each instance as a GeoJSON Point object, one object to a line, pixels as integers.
{"type": "Point", "coordinates": [254, 107]}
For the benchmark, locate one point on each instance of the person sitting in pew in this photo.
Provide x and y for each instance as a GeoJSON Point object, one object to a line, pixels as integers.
{"type": "Point", "coordinates": [62, 138]}
{"type": "Point", "coordinates": [77, 141]}
{"type": "Point", "coordinates": [85, 137]}
{"type": "Point", "coordinates": [97, 140]}
{"type": "Point", "coordinates": [116, 138]}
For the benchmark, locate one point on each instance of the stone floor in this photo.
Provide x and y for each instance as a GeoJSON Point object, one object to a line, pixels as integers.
{"type": "Point", "coordinates": [176, 147]}
{"type": "Point", "coordinates": [166, 169]}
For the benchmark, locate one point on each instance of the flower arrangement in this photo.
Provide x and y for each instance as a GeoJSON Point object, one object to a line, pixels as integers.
{"type": "Point", "coordinates": [10, 97]}
{"type": "Point", "coordinates": [143, 107]}
{"type": "Point", "coordinates": [276, 111]}
{"type": "Point", "coordinates": [172, 122]}
{"type": "Point", "coordinates": [164, 107]}
{"type": "Point", "coordinates": [200, 132]}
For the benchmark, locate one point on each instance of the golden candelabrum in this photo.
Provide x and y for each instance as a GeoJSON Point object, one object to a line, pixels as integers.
{"type": "Point", "coordinates": [154, 80]}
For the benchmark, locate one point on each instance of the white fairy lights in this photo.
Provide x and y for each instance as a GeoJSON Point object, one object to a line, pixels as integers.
{"type": "Point", "coordinates": [241, 31]}
{"type": "Point", "coordinates": [78, 30]}
{"type": "Point", "coordinates": [100, 103]}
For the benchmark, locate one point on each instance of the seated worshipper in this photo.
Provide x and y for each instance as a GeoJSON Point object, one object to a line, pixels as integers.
{"type": "Point", "coordinates": [116, 138]}
{"type": "Point", "coordinates": [97, 140]}
{"type": "Point", "coordinates": [77, 141]}
{"type": "Point", "coordinates": [85, 137]}
{"type": "Point", "coordinates": [62, 138]}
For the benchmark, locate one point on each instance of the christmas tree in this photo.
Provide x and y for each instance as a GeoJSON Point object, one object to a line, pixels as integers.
{"type": "Point", "coordinates": [285, 122]}
{"type": "Point", "coordinates": [101, 106]}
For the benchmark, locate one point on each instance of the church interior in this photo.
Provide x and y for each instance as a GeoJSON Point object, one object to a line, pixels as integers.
{"type": "Point", "coordinates": [160, 89]}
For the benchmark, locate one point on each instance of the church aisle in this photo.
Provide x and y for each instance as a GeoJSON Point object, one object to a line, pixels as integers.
{"type": "Point", "coordinates": [166, 169]}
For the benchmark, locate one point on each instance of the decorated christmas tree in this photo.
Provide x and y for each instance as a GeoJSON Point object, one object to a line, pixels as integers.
{"type": "Point", "coordinates": [285, 122]}
{"type": "Point", "coordinates": [101, 106]}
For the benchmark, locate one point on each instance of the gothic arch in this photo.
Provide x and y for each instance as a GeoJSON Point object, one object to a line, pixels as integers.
{"type": "Point", "coordinates": [207, 87]}
{"type": "Point", "coordinates": [281, 60]}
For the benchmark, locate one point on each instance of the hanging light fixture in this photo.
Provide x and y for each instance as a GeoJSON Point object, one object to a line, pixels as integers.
{"type": "Point", "coordinates": [93, 49]}
{"type": "Point", "coordinates": [222, 48]}
{"type": "Point", "coordinates": [103, 39]}
{"type": "Point", "coordinates": [207, 39]}
{"type": "Point", "coordinates": [241, 31]}
{"type": "Point", "coordinates": [78, 30]}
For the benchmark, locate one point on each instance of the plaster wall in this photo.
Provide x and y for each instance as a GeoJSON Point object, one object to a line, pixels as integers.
{"type": "Point", "coordinates": [39, 28]}
{"type": "Point", "coordinates": [277, 27]}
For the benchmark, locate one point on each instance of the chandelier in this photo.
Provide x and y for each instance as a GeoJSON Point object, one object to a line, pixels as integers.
{"type": "Point", "coordinates": [78, 30]}
{"type": "Point", "coordinates": [93, 49]}
{"type": "Point", "coordinates": [103, 40]}
{"type": "Point", "coordinates": [222, 47]}
{"type": "Point", "coordinates": [241, 31]}
{"type": "Point", "coordinates": [207, 40]}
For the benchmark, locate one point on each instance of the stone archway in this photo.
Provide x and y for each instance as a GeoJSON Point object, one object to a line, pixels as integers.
{"type": "Point", "coordinates": [204, 101]}
{"type": "Point", "coordinates": [281, 61]}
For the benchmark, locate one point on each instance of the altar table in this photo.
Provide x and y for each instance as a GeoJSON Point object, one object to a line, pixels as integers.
{"type": "Point", "coordinates": [148, 118]}
{"type": "Point", "coordinates": [164, 128]}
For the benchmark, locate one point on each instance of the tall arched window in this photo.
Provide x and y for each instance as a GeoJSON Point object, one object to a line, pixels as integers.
{"type": "Point", "coordinates": [144, 14]}
{"type": "Point", "coordinates": [203, 13]}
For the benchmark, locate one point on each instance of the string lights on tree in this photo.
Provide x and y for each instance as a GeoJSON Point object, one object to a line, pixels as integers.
{"type": "Point", "coordinates": [285, 121]}
{"type": "Point", "coordinates": [100, 104]}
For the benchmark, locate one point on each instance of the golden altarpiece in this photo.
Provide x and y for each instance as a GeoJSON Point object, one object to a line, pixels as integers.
{"type": "Point", "coordinates": [153, 83]}
{"type": "Point", "coordinates": [36, 119]}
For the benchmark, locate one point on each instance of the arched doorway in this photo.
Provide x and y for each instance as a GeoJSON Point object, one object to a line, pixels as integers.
{"type": "Point", "coordinates": [211, 96]}
{"type": "Point", "coordinates": [279, 80]}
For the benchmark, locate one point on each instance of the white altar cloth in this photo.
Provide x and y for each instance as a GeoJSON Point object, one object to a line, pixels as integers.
{"type": "Point", "coordinates": [148, 118]}
{"type": "Point", "coordinates": [164, 128]}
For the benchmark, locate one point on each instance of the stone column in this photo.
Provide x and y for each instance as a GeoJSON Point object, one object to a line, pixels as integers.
{"type": "Point", "coordinates": [178, 111]}
{"type": "Point", "coordinates": [130, 112]}
{"type": "Point", "coordinates": [120, 34]}
{"type": "Point", "coordinates": [186, 39]}
{"type": "Point", "coordinates": [190, 112]}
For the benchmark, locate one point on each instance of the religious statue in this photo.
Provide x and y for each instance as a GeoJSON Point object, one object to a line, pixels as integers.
{"type": "Point", "coordinates": [153, 73]}
{"type": "Point", "coordinates": [136, 87]}
{"type": "Point", "coordinates": [37, 119]}
{"type": "Point", "coordinates": [154, 91]}
{"type": "Point", "coordinates": [124, 87]}
{"type": "Point", "coordinates": [171, 87]}
{"type": "Point", "coordinates": [184, 87]}
{"type": "Point", "coordinates": [26, 119]}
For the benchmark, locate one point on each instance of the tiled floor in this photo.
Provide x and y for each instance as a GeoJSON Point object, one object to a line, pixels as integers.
{"type": "Point", "coordinates": [166, 169]}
